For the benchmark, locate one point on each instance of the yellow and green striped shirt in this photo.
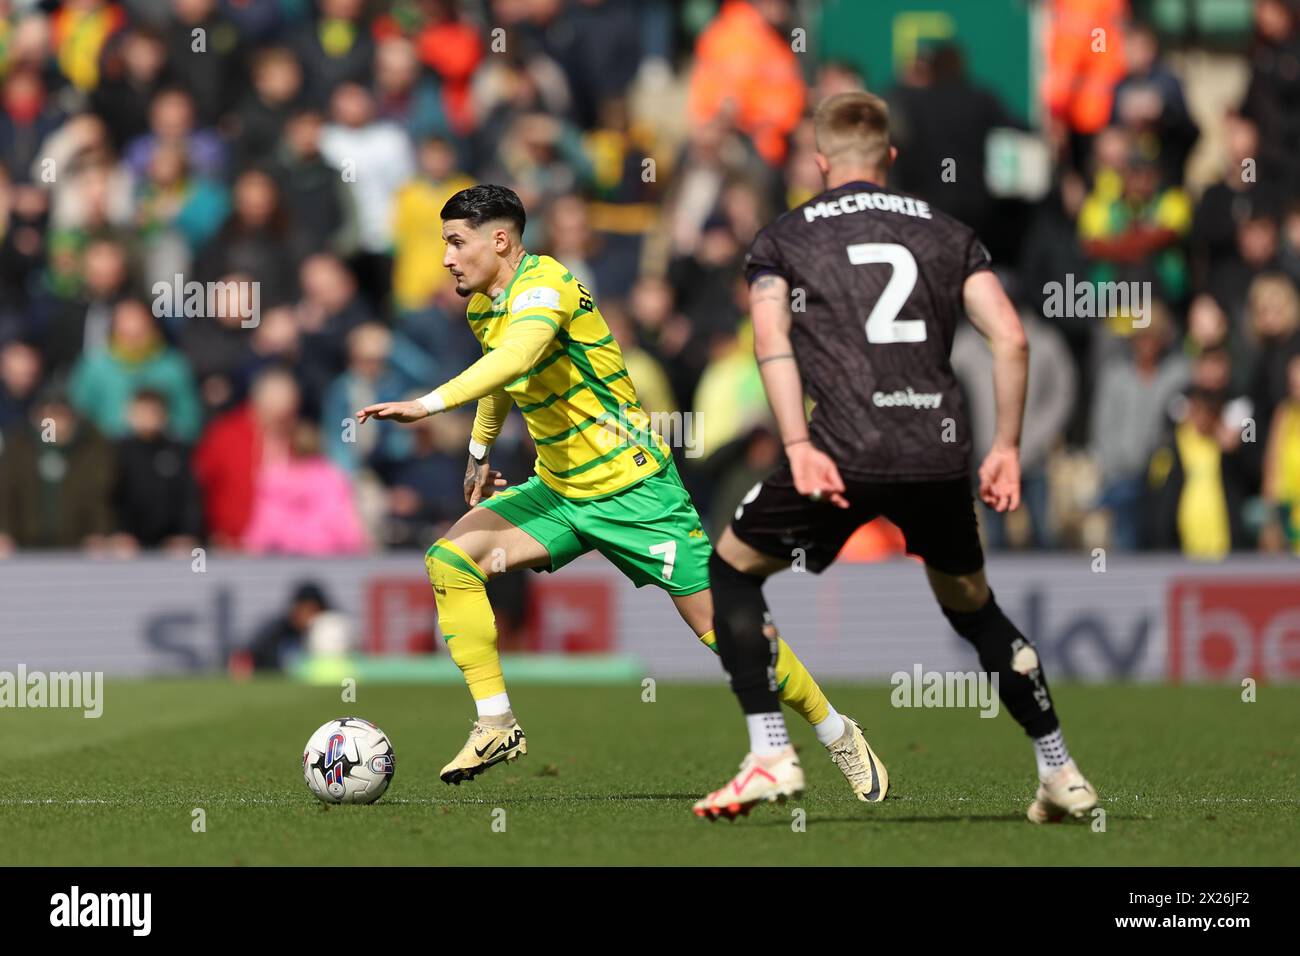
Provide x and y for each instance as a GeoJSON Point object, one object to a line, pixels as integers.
{"type": "Point", "coordinates": [593, 438]}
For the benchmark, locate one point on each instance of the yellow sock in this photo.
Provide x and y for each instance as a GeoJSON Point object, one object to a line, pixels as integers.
{"type": "Point", "coordinates": [798, 690]}
{"type": "Point", "coordinates": [469, 627]}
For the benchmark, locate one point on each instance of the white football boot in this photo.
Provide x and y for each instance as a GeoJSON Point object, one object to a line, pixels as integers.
{"type": "Point", "coordinates": [487, 746]}
{"type": "Point", "coordinates": [767, 779]}
{"type": "Point", "coordinates": [864, 771]}
{"type": "Point", "coordinates": [1064, 792]}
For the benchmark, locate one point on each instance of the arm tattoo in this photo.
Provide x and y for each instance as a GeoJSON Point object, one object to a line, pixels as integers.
{"type": "Point", "coordinates": [765, 289]}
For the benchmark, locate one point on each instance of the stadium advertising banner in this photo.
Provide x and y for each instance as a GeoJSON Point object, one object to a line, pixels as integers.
{"type": "Point", "coordinates": [1221, 627]}
{"type": "Point", "coordinates": [1149, 621]}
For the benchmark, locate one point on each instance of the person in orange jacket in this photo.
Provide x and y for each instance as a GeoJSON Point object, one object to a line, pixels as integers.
{"type": "Point", "coordinates": [746, 69]}
{"type": "Point", "coordinates": [1085, 62]}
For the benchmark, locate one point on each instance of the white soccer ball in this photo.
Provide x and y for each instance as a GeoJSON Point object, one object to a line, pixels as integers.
{"type": "Point", "coordinates": [348, 760]}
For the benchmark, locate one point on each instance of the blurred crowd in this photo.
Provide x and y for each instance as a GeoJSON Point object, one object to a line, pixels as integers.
{"type": "Point", "coordinates": [290, 158]}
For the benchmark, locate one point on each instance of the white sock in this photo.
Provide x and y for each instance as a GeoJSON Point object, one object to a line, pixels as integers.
{"type": "Point", "coordinates": [831, 729]}
{"type": "Point", "coordinates": [767, 733]}
{"type": "Point", "coordinates": [493, 706]}
{"type": "Point", "coordinates": [1051, 753]}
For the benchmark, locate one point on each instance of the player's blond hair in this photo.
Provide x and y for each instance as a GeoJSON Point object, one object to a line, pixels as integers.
{"type": "Point", "coordinates": [852, 129]}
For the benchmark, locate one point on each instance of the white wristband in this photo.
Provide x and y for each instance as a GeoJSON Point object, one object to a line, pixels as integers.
{"type": "Point", "coordinates": [432, 403]}
{"type": "Point", "coordinates": [477, 450]}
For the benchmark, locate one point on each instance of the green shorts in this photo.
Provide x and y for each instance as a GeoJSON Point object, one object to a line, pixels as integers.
{"type": "Point", "coordinates": [651, 531]}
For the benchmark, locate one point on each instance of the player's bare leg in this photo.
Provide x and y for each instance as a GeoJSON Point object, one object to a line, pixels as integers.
{"type": "Point", "coordinates": [770, 771]}
{"type": "Point", "coordinates": [480, 545]}
{"type": "Point", "coordinates": [974, 614]}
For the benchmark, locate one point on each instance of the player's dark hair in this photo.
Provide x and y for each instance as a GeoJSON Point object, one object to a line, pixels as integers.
{"type": "Point", "coordinates": [484, 203]}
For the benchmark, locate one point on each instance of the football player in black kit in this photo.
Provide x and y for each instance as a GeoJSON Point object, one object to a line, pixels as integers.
{"type": "Point", "coordinates": [883, 280]}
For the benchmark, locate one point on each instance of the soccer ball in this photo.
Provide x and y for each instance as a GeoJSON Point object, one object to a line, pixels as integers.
{"type": "Point", "coordinates": [348, 760]}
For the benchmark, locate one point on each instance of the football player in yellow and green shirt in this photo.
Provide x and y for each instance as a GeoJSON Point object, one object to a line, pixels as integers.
{"type": "Point", "coordinates": [604, 479]}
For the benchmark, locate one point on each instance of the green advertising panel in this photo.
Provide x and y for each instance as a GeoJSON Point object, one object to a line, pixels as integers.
{"type": "Point", "coordinates": [881, 38]}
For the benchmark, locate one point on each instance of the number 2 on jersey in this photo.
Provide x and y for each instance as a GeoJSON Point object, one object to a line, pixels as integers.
{"type": "Point", "coordinates": [882, 325]}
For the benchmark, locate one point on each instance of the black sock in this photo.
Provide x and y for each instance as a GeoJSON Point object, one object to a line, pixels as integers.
{"type": "Point", "coordinates": [747, 640]}
{"type": "Point", "coordinates": [1024, 692]}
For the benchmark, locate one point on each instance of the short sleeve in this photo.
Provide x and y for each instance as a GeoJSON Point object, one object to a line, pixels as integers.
{"type": "Point", "coordinates": [764, 258]}
{"type": "Point", "coordinates": [977, 257]}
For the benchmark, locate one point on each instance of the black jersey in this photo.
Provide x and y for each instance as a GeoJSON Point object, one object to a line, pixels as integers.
{"type": "Point", "coordinates": [876, 282]}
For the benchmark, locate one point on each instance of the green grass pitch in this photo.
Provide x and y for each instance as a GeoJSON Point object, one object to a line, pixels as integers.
{"type": "Point", "coordinates": [1187, 776]}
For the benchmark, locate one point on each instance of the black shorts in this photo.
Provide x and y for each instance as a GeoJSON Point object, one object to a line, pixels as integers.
{"type": "Point", "coordinates": [936, 517]}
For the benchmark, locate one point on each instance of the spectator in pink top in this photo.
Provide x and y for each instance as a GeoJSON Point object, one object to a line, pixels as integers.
{"type": "Point", "coordinates": [303, 504]}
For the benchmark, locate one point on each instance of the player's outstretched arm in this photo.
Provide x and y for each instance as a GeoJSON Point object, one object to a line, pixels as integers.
{"type": "Point", "coordinates": [524, 343]}
{"type": "Point", "coordinates": [814, 471]}
{"type": "Point", "coordinates": [992, 313]}
{"type": "Point", "coordinates": [404, 412]}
